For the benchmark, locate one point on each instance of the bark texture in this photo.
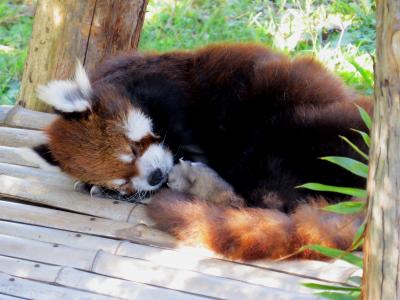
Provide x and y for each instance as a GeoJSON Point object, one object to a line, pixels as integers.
{"type": "Point", "coordinates": [89, 30]}
{"type": "Point", "coordinates": [382, 246]}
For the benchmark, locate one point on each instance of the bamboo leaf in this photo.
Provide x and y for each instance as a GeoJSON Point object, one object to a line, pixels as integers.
{"type": "Point", "coordinates": [326, 287]}
{"type": "Point", "coordinates": [336, 253]}
{"type": "Point", "coordinates": [358, 193]}
{"type": "Point", "coordinates": [354, 166]}
{"type": "Point", "coordinates": [340, 296]}
{"type": "Point", "coordinates": [365, 137]}
{"type": "Point", "coordinates": [345, 208]}
{"type": "Point", "coordinates": [365, 156]}
{"type": "Point", "coordinates": [365, 117]}
{"type": "Point", "coordinates": [358, 238]}
{"type": "Point", "coordinates": [366, 75]}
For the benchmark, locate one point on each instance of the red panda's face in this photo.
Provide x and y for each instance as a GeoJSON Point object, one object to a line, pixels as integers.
{"type": "Point", "coordinates": [102, 139]}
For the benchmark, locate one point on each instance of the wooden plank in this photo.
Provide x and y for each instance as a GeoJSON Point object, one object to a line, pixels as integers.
{"type": "Point", "coordinates": [70, 277]}
{"type": "Point", "coordinates": [185, 260]}
{"type": "Point", "coordinates": [62, 220]}
{"type": "Point", "coordinates": [29, 269]}
{"type": "Point", "coordinates": [190, 260]}
{"type": "Point", "coordinates": [38, 176]}
{"type": "Point", "coordinates": [118, 287]}
{"type": "Point", "coordinates": [46, 252]}
{"type": "Point", "coordinates": [37, 192]}
{"type": "Point", "coordinates": [138, 270]}
{"type": "Point", "coordinates": [182, 280]}
{"type": "Point", "coordinates": [17, 137]}
{"type": "Point", "coordinates": [57, 236]}
{"type": "Point", "coordinates": [4, 110]}
{"type": "Point", "coordinates": [33, 215]}
{"type": "Point", "coordinates": [11, 155]}
{"type": "Point", "coordinates": [29, 289]}
{"type": "Point", "coordinates": [8, 297]}
{"type": "Point", "coordinates": [25, 118]}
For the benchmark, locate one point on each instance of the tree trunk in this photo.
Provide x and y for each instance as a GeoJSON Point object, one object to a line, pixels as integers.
{"type": "Point", "coordinates": [89, 30]}
{"type": "Point", "coordinates": [382, 246]}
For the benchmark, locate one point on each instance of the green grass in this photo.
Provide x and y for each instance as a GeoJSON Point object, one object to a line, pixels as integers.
{"type": "Point", "coordinates": [15, 31]}
{"type": "Point", "coordinates": [340, 33]}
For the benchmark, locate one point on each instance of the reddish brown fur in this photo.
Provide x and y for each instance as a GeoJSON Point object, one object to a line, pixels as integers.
{"type": "Point", "coordinates": [251, 233]}
{"type": "Point", "coordinates": [90, 145]}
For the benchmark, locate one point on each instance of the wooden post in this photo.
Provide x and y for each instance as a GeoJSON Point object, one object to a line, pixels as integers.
{"type": "Point", "coordinates": [382, 246]}
{"type": "Point", "coordinates": [89, 30]}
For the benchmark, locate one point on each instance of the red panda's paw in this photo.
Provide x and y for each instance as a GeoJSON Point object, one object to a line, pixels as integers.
{"type": "Point", "coordinates": [202, 182]}
{"type": "Point", "coordinates": [101, 192]}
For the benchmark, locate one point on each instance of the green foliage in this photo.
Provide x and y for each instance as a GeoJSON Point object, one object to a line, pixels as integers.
{"type": "Point", "coordinates": [365, 117]}
{"type": "Point", "coordinates": [345, 208]}
{"type": "Point", "coordinates": [340, 33]}
{"type": "Point", "coordinates": [348, 207]}
{"type": "Point", "coordinates": [354, 192]}
{"type": "Point", "coordinates": [336, 253]}
{"type": "Point", "coordinates": [352, 145]}
{"type": "Point", "coordinates": [349, 164]}
{"type": "Point", "coordinates": [15, 30]}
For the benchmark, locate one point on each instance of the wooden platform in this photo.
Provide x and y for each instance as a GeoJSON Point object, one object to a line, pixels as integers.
{"type": "Point", "coordinates": [56, 243]}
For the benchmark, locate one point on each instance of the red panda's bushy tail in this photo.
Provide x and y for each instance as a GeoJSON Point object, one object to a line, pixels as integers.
{"type": "Point", "coordinates": [251, 233]}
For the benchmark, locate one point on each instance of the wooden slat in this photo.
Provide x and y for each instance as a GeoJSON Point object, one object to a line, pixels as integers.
{"type": "Point", "coordinates": [138, 270]}
{"type": "Point", "coordinates": [11, 155]}
{"type": "Point", "coordinates": [29, 269]}
{"type": "Point", "coordinates": [146, 272]}
{"type": "Point", "coordinates": [29, 289]}
{"type": "Point", "coordinates": [46, 252]}
{"type": "Point", "coordinates": [8, 297]}
{"type": "Point", "coordinates": [37, 192]}
{"type": "Point", "coordinates": [18, 212]}
{"type": "Point", "coordinates": [4, 110]}
{"type": "Point", "coordinates": [70, 277]}
{"type": "Point", "coordinates": [37, 175]}
{"type": "Point", "coordinates": [190, 260]}
{"type": "Point", "coordinates": [117, 287]}
{"type": "Point", "coordinates": [57, 236]}
{"type": "Point", "coordinates": [73, 222]}
{"type": "Point", "coordinates": [25, 118]}
{"type": "Point", "coordinates": [185, 260]}
{"type": "Point", "coordinates": [16, 137]}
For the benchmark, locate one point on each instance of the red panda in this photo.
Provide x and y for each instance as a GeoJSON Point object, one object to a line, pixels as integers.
{"type": "Point", "coordinates": [257, 121]}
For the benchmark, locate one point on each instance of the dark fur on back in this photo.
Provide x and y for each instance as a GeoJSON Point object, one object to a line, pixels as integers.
{"type": "Point", "coordinates": [260, 119]}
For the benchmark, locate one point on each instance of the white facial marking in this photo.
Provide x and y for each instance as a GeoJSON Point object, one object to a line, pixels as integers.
{"type": "Point", "coordinates": [138, 125]}
{"type": "Point", "coordinates": [68, 95]}
{"type": "Point", "coordinates": [126, 158]}
{"type": "Point", "coordinates": [118, 182]}
{"type": "Point", "coordinates": [155, 157]}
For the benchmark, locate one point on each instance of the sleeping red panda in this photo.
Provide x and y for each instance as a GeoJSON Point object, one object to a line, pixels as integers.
{"type": "Point", "coordinates": [254, 122]}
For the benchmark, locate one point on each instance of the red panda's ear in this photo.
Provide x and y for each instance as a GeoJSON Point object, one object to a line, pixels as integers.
{"type": "Point", "coordinates": [39, 155]}
{"type": "Point", "coordinates": [68, 96]}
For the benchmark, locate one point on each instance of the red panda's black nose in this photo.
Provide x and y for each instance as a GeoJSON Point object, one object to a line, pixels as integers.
{"type": "Point", "coordinates": [155, 177]}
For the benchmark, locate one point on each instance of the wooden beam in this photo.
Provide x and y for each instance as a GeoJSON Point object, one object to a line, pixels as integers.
{"type": "Point", "coordinates": [88, 30]}
{"type": "Point", "coordinates": [382, 243]}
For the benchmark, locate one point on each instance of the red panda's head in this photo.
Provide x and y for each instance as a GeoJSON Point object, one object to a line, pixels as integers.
{"type": "Point", "coordinates": [102, 138]}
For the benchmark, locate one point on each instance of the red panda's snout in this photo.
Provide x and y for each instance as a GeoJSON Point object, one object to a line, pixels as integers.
{"type": "Point", "coordinates": [101, 138]}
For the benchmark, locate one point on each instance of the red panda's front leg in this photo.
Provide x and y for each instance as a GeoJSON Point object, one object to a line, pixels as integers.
{"type": "Point", "coordinates": [202, 182]}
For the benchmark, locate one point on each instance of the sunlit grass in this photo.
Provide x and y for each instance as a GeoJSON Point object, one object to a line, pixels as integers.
{"type": "Point", "coordinates": [336, 32]}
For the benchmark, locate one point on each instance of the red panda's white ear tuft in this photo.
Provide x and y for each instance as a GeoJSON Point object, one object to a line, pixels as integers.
{"type": "Point", "coordinates": [82, 79]}
{"type": "Point", "coordinates": [68, 96]}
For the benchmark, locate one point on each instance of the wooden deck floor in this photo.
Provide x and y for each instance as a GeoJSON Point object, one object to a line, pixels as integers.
{"type": "Point", "coordinates": [56, 243]}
